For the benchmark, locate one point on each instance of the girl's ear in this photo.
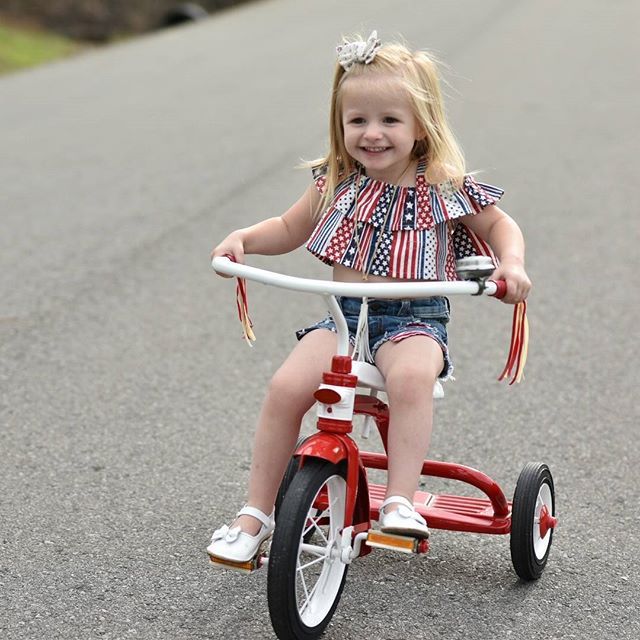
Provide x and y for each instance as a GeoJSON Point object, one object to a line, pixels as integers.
{"type": "Point", "coordinates": [421, 133]}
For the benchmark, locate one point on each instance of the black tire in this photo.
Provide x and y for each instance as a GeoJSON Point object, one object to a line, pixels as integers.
{"type": "Point", "coordinates": [297, 610]}
{"type": "Point", "coordinates": [529, 550]}
{"type": "Point", "coordinates": [290, 472]}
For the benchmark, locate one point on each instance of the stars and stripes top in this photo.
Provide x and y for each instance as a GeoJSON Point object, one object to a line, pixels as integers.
{"type": "Point", "coordinates": [400, 232]}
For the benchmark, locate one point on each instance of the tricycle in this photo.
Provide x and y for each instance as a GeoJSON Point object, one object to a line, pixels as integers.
{"type": "Point", "coordinates": [326, 504]}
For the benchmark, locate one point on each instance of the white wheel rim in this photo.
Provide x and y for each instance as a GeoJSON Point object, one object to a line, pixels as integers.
{"type": "Point", "coordinates": [319, 569]}
{"type": "Point", "coordinates": [544, 499]}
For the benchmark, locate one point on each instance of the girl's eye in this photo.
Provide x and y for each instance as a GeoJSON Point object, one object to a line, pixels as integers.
{"type": "Point", "coordinates": [356, 121]}
{"type": "Point", "coordinates": [391, 120]}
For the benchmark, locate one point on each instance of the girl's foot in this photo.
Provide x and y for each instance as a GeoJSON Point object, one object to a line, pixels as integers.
{"type": "Point", "coordinates": [237, 544]}
{"type": "Point", "coordinates": [403, 520]}
{"type": "Point", "coordinates": [248, 524]}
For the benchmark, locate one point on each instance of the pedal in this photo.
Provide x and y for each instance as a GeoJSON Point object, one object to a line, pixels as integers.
{"type": "Point", "coordinates": [394, 542]}
{"type": "Point", "coordinates": [249, 566]}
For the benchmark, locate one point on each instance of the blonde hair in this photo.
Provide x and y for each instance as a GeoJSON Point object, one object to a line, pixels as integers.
{"type": "Point", "coordinates": [418, 72]}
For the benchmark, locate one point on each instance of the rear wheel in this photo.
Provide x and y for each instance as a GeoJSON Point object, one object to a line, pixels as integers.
{"type": "Point", "coordinates": [532, 520]}
{"type": "Point", "coordinates": [306, 575]}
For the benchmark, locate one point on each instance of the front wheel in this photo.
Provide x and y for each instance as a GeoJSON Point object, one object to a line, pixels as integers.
{"type": "Point", "coordinates": [532, 520]}
{"type": "Point", "coordinates": [306, 574]}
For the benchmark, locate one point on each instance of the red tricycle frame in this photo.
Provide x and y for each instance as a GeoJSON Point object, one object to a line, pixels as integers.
{"type": "Point", "coordinates": [456, 513]}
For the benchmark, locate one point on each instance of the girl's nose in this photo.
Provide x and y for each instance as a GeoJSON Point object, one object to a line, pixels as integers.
{"type": "Point", "coordinates": [373, 132]}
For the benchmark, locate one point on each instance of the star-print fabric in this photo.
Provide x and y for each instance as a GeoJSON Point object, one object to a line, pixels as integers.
{"type": "Point", "coordinates": [400, 232]}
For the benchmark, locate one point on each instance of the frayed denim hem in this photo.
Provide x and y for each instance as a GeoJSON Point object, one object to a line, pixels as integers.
{"type": "Point", "coordinates": [419, 330]}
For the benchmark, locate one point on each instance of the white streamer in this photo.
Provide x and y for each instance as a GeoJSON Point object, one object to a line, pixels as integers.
{"type": "Point", "coordinates": [361, 350]}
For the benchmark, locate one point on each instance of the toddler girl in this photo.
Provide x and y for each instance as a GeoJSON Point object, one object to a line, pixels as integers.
{"type": "Point", "coordinates": [391, 201]}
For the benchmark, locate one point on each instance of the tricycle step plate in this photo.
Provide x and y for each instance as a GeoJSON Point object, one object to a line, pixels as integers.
{"type": "Point", "coordinates": [454, 513]}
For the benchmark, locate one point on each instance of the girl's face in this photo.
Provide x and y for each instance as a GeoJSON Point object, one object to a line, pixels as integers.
{"type": "Point", "coordinates": [379, 125]}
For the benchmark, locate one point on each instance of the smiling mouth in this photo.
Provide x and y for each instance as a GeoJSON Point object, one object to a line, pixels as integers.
{"type": "Point", "coordinates": [375, 149]}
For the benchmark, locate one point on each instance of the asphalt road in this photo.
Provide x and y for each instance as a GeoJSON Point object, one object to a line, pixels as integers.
{"type": "Point", "coordinates": [128, 399]}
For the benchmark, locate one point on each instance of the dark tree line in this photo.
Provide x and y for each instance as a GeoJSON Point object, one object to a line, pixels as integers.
{"type": "Point", "coordinates": [100, 20]}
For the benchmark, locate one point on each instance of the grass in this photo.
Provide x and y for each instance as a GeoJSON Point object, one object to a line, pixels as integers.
{"type": "Point", "coordinates": [22, 47]}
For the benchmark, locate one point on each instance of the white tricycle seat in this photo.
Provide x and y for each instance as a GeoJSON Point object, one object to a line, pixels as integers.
{"type": "Point", "coordinates": [369, 376]}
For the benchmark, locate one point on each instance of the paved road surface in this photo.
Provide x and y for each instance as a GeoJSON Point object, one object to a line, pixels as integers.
{"type": "Point", "coordinates": [128, 400]}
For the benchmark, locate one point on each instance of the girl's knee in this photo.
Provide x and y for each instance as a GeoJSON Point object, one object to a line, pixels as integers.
{"type": "Point", "coordinates": [410, 383]}
{"type": "Point", "coordinates": [288, 390]}
{"type": "Point", "coordinates": [280, 384]}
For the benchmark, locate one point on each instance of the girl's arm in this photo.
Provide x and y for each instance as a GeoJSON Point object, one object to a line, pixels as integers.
{"type": "Point", "coordinates": [503, 235]}
{"type": "Point", "coordinates": [274, 236]}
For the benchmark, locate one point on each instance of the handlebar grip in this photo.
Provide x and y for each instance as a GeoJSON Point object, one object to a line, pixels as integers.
{"type": "Point", "coordinates": [501, 289]}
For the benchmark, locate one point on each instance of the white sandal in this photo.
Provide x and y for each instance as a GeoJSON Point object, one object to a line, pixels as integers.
{"type": "Point", "coordinates": [404, 521]}
{"type": "Point", "coordinates": [237, 546]}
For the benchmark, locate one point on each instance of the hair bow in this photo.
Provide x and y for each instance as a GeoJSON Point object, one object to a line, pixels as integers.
{"type": "Point", "coordinates": [359, 51]}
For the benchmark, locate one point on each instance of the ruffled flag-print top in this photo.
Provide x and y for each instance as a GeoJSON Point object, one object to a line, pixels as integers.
{"type": "Point", "coordinates": [400, 232]}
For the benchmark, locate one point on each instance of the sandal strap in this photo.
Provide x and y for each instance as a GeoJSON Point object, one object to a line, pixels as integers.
{"type": "Point", "coordinates": [399, 500]}
{"type": "Point", "coordinates": [256, 513]}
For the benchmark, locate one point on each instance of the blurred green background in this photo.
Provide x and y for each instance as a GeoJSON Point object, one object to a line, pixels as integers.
{"type": "Point", "coordinates": [33, 32]}
{"type": "Point", "coordinates": [26, 45]}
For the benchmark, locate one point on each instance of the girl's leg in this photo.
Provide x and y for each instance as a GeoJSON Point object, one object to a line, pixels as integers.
{"type": "Point", "coordinates": [289, 396]}
{"type": "Point", "coordinates": [410, 368]}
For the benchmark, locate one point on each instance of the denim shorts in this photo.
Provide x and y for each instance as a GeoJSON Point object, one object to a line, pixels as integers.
{"type": "Point", "coordinates": [395, 320]}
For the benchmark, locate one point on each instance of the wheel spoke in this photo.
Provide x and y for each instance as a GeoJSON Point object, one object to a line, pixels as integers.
{"type": "Point", "coordinates": [314, 525]}
{"type": "Point", "coordinates": [304, 585]}
{"type": "Point", "coordinates": [313, 549]}
{"type": "Point", "coordinates": [301, 568]}
{"type": "Point", "coordinates": [310, 520]}
{"type": "Point", "coordinates": [308, 600]}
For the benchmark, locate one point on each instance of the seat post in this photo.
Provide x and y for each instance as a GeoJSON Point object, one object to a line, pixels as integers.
{"type": "Point", "coordinates": [341, 324]}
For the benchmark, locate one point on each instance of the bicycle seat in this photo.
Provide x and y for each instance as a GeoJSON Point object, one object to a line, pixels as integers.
{"type": "Point", "coordinates": [369, 376]}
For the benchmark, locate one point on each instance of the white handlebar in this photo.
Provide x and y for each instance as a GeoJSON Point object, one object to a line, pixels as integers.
{"type": "Point", "coordinates": [222, 264]}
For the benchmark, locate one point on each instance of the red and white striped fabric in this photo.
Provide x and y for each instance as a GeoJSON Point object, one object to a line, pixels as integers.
{"type": "Point", "coordinates": [400, 232]}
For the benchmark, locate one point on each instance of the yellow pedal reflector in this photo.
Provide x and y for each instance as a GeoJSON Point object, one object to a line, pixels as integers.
{"type": "Point", "coordinates": [243, 567]}
{"type": "Point", "coordinates": [406, 544]}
